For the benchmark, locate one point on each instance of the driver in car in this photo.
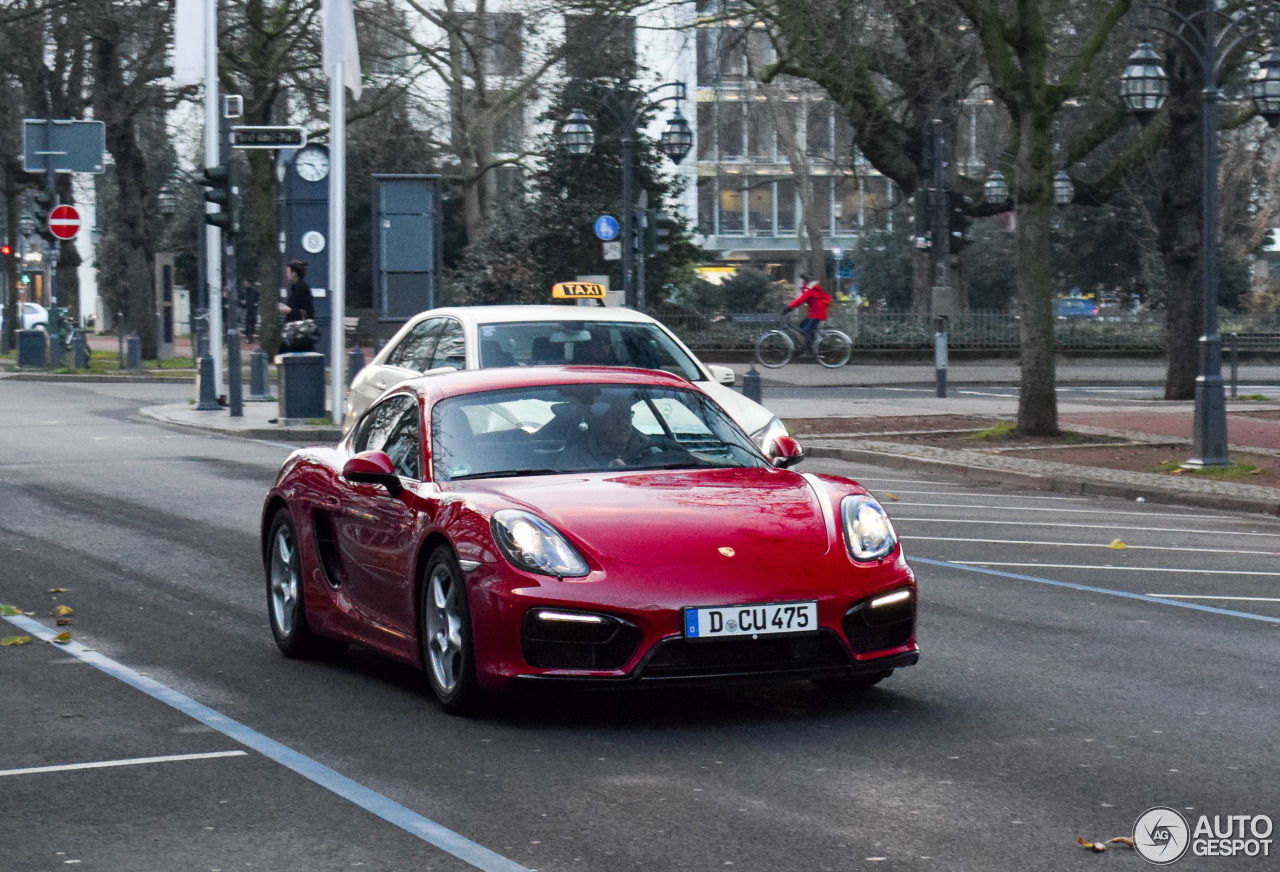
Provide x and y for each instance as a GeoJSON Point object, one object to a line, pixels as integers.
{"type": "Point", "coordinates": [610, 441]}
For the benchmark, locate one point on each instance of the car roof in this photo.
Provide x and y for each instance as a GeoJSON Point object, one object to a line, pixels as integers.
{"type": "Point", "coordinates": [496, 314]}
{"type": "Point", "coordinates": [469, 381]}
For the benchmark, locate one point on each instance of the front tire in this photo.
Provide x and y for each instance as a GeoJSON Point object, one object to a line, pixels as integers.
{"type": "Point", "coordinates": [286, 605]}
{"type": "Point", "coordinates": [833, 348]}
{"type": "Point", "coordinates": [774, 349]}
{"type": "Point", "coordinates": [444, 635]}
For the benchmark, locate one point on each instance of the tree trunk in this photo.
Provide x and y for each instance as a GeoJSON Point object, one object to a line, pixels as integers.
{"type": "Point", "coordinates": [69, 258]}
{"type": "Point", "coordinates": [262, 181]}
{"type": "Point", "coordinates": [1037, 396]}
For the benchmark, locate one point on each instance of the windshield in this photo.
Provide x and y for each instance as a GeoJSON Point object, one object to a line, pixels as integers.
{"type": "Point", "coordinates": [583, 428]}
{"type": "Point", "coordinates": [590, 343]}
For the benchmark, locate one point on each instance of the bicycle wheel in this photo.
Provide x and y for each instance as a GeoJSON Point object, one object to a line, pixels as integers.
{"type": "Point", "coordinates": [833, 348]}
{"type": "Point", "coordinates": [774, 349]}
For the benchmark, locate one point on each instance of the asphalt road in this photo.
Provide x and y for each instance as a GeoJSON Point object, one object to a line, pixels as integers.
{"type": "Point", "coordinates": [1064, 688]}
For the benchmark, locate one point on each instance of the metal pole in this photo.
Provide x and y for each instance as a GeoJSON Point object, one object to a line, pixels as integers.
{"type": "Point", "coordinates": [940, 357]}
{"type": "Point", "coordinates": [1209, 432]}
{"type": "Point", "coordinates": [941, 226]}
{"type": "Point", "coordinates": [212, 234]}
{"type": "Point", "coordinates": [1235, 365]}
{"type": "Point", "coordinates": [337, 239]}
{"type": "Point", "coordinates": [628, 218]}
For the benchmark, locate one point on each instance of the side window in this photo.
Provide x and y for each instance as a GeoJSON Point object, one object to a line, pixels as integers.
{"type": "Point", "coordinates": [404, 445]}
{"type": "Point", "coordinates": [451, 349]}
{"type": "Point", "coordinates": [414, 351]}
{"type": "Point", "coordinates": [378, 425]}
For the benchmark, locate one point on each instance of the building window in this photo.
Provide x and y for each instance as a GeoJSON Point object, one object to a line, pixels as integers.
{"type": "Point", "coordinates": [822, 202]}
{"type": "Point", "coordinates": [786, 199]}
{"type": "Point", "coordinates": [818, 130]}
{"type": "Point", "coordinates": [760, 208]}
{"type": "Point", "coordinates": [508, 184]}
{"type": "Point", "coordinates": [760, 133]}
{"type": "Point", "coordinates": [508, 129]}
{"type": "Point", "coordinates": [600, 46]}
{"type": "Point", "coordinates": [848, 204]}
{"type": "Point", "coordinates": [707, 206]}
{"type": "Point", "coordinates": [731, 128]}
{"type": "Point", "coordinates": [731, 206]}
{"type": "Point", "coordinates": [497, 42]}
{"type": "Point", "coordinates": [721, 56]}
{"type": "Point", "coordinates": [706, 134]}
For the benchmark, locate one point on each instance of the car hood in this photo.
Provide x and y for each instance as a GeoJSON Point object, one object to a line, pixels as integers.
{"type": "Point", "coordinates": [685, 517]}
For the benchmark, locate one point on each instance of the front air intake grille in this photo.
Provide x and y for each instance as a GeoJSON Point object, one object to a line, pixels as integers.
{"type": "Point", "coordinates": [878, 629]}
{"type": "Point", "coordinates": [681, 658]}
{"type": "Point", "coordinates": [567, 644]}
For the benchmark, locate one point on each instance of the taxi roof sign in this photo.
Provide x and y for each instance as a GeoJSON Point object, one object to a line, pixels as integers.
{"type": "Point", "coordinates": [577, 291]}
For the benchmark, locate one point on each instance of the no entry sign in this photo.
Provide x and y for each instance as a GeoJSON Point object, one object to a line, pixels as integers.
{"type": "Point", "coordinates": [64, 221]}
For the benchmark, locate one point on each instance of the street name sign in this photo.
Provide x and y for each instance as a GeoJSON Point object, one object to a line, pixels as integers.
{"type": "Point", "coordinates": [63, 145]}
{"type": "Point", "coordinates": [267, 136]}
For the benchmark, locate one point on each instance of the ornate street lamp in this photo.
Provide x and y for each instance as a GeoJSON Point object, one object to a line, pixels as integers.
{"type": "Point", "coordinates": [1264, 88]}
{"type": "Point", "coordinates": [167, 202]}
{"type": "Point", "coordinates": [1144, 84]}
{"type": "Point", "coordinates": [677, 139]}
{"type": "Point", "coordinates": [996, 189]}
{"type": "Point", "coordinates": [576, 135]}
{"type": "Point", "coordinates": [1063, 190]}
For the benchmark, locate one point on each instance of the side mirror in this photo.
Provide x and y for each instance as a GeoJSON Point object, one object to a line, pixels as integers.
{"type": "Point", "coordinates": [373, 467]}
{"type": "Point", "coordinates": [723, 374]}
{"type": "Point", "coordinates": [785, 452]}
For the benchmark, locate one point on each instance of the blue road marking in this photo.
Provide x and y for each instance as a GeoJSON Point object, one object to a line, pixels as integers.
{"type": "Point", "coordinates": [390, 811]}
{"type": "Point", "coordinates": [1102, 590]}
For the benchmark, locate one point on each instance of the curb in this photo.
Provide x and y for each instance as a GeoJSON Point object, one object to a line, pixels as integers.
{"type": "Point", "coordinates": [1058, 482]}
{"type": "Point", "coordinates": [307, 434]}
{"type": "Point", "coordinates": [181, 376]}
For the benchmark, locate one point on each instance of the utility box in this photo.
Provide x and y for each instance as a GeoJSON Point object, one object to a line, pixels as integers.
{"type": "Point", "coordinates": [33, 349]}
{"type": "Point", "coordinates": [406, 245]}
{"type": "Point", "coordinates": [302, 387]}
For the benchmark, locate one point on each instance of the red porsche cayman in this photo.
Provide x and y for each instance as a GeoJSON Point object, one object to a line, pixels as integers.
{"type": "Point", "coordinates": [585, 525]}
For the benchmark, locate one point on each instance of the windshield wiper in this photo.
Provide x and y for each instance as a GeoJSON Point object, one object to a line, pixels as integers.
{"type": "Point", "coordinates": [505, 473]}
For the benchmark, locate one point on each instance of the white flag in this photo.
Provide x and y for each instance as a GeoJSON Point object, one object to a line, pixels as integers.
{"type": "Point", "coordinates": [340, 43]}
{"type": "Point", "coordinates": [188, 42]}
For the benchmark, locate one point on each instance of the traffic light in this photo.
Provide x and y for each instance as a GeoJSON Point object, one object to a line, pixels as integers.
{"type": "Point", "coordinates": [221, 194]}
{"type": "Point", "coordinates": [662, 225]}
{"type": "Point", "coordinates": [43, 201]}
{"type": "Point", "coordinates": [6, 250]}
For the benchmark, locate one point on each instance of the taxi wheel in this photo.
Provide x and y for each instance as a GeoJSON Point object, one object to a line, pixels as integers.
{"type": "Point", "coordinates": [286, 607]}
{"type": "Point", "coordinates": [444, 634]}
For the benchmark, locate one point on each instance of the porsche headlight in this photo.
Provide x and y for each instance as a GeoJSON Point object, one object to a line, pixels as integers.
{"type": "Point", "coordinates": [765, 435]}
{"type": "Point", "coordinates": [868, 532]}
{"type": "Point", "coordinates": [533, 545]}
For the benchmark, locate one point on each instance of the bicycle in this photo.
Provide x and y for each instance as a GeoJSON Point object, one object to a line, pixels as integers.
{"type": "Point", "coordinates": [775, 348]}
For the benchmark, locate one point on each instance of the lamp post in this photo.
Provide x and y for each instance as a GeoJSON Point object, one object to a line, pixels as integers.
{"type": "Point", "coordinates": [628, 106]}
{"type": "Point", "coordinates": [1211, 37]}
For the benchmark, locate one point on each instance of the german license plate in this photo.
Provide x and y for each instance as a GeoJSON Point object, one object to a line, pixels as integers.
{"type": "Point", "coordinates": [719, 622]}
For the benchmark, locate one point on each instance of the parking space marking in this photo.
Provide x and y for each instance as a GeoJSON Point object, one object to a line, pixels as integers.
{"type": "Point", "coordinates": [1113, 568]}
{"type": "Point", "coordinates": [1059, 510]}
{"type": "Point", "coordinates": [997, 496]}
{"type": "Point", "coordinates": [1196, 596]}
{"type": "Point", "coordinates": [469, 852]}
{"type": "Point", "coordinates": [1016, 523]}
{"type": "Point", "coordinates": [1127, 547]}
{"type": "Point", "coordinates": [1104, 591]}
{"type": "Point", "coordinates": [135, 761]}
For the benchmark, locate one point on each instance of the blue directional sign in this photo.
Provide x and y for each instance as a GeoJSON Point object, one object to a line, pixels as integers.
{"type": "Point", "coordinates": [606, 228]}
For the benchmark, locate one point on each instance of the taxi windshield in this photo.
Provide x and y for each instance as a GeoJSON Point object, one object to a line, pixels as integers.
{"type": "Point", "coordinates": [584, 343]}
{"type": "Point", "coordinates": [583, 428]}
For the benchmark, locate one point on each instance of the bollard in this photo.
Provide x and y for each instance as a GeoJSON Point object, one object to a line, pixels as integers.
{"type": "Point", "coordinates": [751, 388]}
{"type": "Point", "coordinates": [355, 363]}
{"type": "Point", "coordinates": [80, 347]}
{"type": "Point", "coordinates": [134, 353]}
{"type": "Point", "coordinates": [235, 378]}
{"type": "Point", "coordinates": [1235, 365]}
{"type": "Point", "coordinates": [4, 341]}
{"type": "Point", "coordinates": [258, 390]}
{"type": "Point", "coordinates": [940, 357]}
{"type": "Point", "coordinates": [33, 349]}
{"type": "Point", "coordinates": [208, 390]}
{"type": "Point", "coordinates": [55, 351]}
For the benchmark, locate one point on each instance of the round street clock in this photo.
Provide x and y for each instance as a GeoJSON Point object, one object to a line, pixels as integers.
{"type": "Point", "coordinates": [312, 164]}
{"type": "Point", "coordinates": [313, 242]}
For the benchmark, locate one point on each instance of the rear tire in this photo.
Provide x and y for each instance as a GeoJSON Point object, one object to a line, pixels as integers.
{"type": "Point", "coordinates": [444, 634]}
{"type": "Point", "coordinates": [774, 349]}
{"type": "Point", "coordinates": [833, 348]}
{"type": "Point", "coordinates": [286, 605]}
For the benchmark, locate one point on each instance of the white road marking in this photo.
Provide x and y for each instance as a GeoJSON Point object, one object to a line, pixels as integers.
{"type": "Point", "coordinates": [134, 761]}
{"type": "Point", "coordinates": [1252, 599]}
{"type": "Point", "coordinates": [1013, 523]}
{"type": "Point", "coordinates": [990, 495]}
{"type": "Point", "coordinates": [1060, 510]}
{"type": "Point", "coordinates": [1114, 568]}
{"type": "Point", "coordinates": [1127, 547]}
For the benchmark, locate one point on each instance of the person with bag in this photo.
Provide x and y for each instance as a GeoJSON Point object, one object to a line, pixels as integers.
{"type": "Point", "coordinates": [300, 331]}
{"type": "Point", "coordinates": [818, 302]}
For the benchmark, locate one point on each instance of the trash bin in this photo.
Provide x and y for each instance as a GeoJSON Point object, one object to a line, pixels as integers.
{"type": "Point", "coordinates": [302, 386]}
{"type": "Point", "coordinates": [33, 348]}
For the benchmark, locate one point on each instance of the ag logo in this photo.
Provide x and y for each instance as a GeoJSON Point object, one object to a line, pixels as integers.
{"type": "Point", "coordinates": [1161, 835]}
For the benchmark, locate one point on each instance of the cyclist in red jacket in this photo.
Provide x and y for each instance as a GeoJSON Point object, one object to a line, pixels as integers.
{"type": "Point", "coordinates": [818, 301]}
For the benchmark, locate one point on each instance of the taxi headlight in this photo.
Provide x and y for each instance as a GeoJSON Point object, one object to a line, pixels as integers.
{"type": "Point", "coordinates": [868, 533]}
{"type": "Point", "coordinates": [533, 545]}
{"type": "Point", "coordinates": [765, 436]}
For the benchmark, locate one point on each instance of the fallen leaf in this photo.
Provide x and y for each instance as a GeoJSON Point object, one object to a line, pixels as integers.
{"type": "Point", "coordinates": [890, 496]}
{"type": "Point", "coordinates": [62, 611]}
{"type": "Point", "coordinates": [57, 590]}
{"type": "Point", "coordinates": [1096, 847]}
{"type": "Point", "coordinates": [1123, 840]}
{"type": "Point", "coordinates": [1117, 544]}
{"type": "Point", "coordinates": [61, 639]}
{"type": "Point", "coordinates": [10, 611]}
{"type": "Point", "coordinates": [62, 622]}
{"type": "Point", "coordinates": [7, 641]}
